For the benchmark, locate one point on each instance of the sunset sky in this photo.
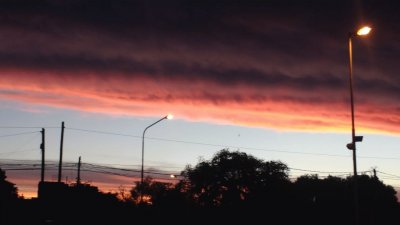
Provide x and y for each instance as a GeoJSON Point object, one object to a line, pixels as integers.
{"type": "Point", "coordinates": [269, 78]}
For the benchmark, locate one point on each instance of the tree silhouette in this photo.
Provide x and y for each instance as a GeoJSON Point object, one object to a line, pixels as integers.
{"type": "Point", "coordinates": [8, 198]}
{"type": "Point", "coordinates": [378, 202]}
{"type": "Point", "coordinates": [232, 187]}
{"type": "Point", "coordinates": [154, 192]}
{"type": "Point", "coordinates": [160, 201]}
{"type": "Point", "coordinates": [8, 191]}
{"type": "Point", "coordinates": [318, 198]}
{"type": "Point", "coordinates": [231, 179]}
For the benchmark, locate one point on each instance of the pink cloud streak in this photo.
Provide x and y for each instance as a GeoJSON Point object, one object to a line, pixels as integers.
{"type": "Point", "coordinates": [278, 108]}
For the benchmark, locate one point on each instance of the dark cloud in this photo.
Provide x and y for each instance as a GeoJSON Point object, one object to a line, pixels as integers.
{"type": "Point", "coordinates": [216, 51]}
{"type": "Point", "coordinates": [275, 31]}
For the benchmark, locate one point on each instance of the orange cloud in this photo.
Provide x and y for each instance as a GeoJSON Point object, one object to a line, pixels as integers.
{"type": "Point", "coordinates": [281, 108]}
{"type": "Point", "coordinates": [232, 64]}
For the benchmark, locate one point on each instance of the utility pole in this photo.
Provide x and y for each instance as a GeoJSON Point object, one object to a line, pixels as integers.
{"type": "Point", "coordinates": [42, 147]}
{"type": "Point", "coordinates": [78, 179]}
{"type": "Point", "coordinates": [61, 152]}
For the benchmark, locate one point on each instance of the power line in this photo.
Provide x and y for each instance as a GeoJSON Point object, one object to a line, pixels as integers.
{"type": "Point", "coordinates": [22, 127]}
{"type": "Point", "coordinates": [388, 178]}
{"type": "Point", "coordinates": [89, 167]}
{"type": "Point", "coordinates": [104, 166]}
{"type": "Point", "coordinates": [19, 149]}
{"type": "Point", "coordinates": [201, 143]}
{"type": "Point", "coordinates": [228, 146]}
{"type": "Point", "coordinates": [317, 171]}
{"type": "Point", "coordinates": [102, 132]}
{"type": "Point", "coordinates": [3, 162]}
{"type": "Point", "coordinates": [14, 152]}
{"type": "Point", "coordinates": [388, 174]}
{"type": "Point", "coordinates": [36, 163]}
{"type": "Point", "coordinates": [91, 170]}
{"type": "Point", "coordinates": [242, 147]}
{"type": "Point", "coordinates": [99, 166]}
{"type": "Point", "coordinates": [24, 133]}
{"type": "Point", "coordinates": [136, 165]}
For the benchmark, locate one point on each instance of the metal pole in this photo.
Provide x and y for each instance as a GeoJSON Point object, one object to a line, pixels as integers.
{"type": "Point", "coordinates": [61, 152]}
{"type": "Point", "coordinates": [78, 179]}
{"type": "Point", "coordinates": [353, 132]}
{"type": "Point", "coordinates": [142, 170]}
{"type": "Point", "coordinates": [42, 147]}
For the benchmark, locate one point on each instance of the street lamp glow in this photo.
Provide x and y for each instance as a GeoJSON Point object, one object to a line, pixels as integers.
{"type": "Point", "coordinates": [354, 139]}
{"type": "Point", "coordinates": [364, 31]}
{"type": "Point", "coordinates": [169, 116]}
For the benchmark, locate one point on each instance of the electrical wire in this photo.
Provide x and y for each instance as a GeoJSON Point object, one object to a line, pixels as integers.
{"type": "Point", "coordinates": [226, 146]}
{"type": "Point", "coordinates": [102, 132]}
{"type": "Point", "coordinates": [388, 174]}
{"type": "Point", "coordinates": [22, 127]}
{"type": "Point", "coordinates": [18, 134]}
{"type": "Point", "coordinates": [149, 171]}
{"type": "Point", "coordinates": [103, 168]}
{"type": "Point", "coordinates": [317, 171]}
{"type": "Point", "coordinates": [15, 152]}
{"type": "Point", "coordinates": [199, 143]}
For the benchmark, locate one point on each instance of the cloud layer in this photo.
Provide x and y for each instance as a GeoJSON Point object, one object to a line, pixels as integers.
{"type": "Point", "coordinates": [257, 63]}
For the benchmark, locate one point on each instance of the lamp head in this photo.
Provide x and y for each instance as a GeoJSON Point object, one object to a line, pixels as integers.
{"type": "Point", "coordinates": [170, 116]}
{"type": "Point", "coordinates": [350, 146]}
{"type": "Point", "coordinates": [364, 31]}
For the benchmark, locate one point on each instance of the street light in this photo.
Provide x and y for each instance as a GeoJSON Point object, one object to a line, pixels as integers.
{"type": "Point", "coordinates": [352, 146]}
{"type": "Point", "coordinates": [169, 117]}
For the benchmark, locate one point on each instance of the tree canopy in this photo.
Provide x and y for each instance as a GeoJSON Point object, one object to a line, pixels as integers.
{"type": "Point", "coordinates": [153, 192]}
{"type": "Point", "coordinates": [231, 178]}
{"type": "Point", "coordinates": [231, 187]}
{"type": "Point", "coordinates": [8, 191]}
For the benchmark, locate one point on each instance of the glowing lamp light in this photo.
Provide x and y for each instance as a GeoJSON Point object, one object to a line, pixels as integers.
{"type": "Point", "coordinates": [364, 31]}
{"type": "Point", "coordinates": [169, 116]}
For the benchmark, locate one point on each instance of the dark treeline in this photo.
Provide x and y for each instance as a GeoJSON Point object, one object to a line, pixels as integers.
{"type": "Point", "coordinates": [232, 187]}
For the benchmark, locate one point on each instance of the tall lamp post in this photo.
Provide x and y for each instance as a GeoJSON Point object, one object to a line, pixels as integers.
{"type": "Point", "coordinates": [352, 146]}
{"type": "Point", "coordinates": [169, 116]}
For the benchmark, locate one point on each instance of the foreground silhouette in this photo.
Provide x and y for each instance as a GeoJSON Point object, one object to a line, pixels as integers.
{"type": "Point", "coordinates": [232, 187]}
{"type": "Point", "coordinates": [8, 198]}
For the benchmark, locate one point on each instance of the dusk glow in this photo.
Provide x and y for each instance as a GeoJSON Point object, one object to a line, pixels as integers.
{"type": "Point", "coordinates": [240, 104]}
{"type": "Point", "coordinates": [264, 77]}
